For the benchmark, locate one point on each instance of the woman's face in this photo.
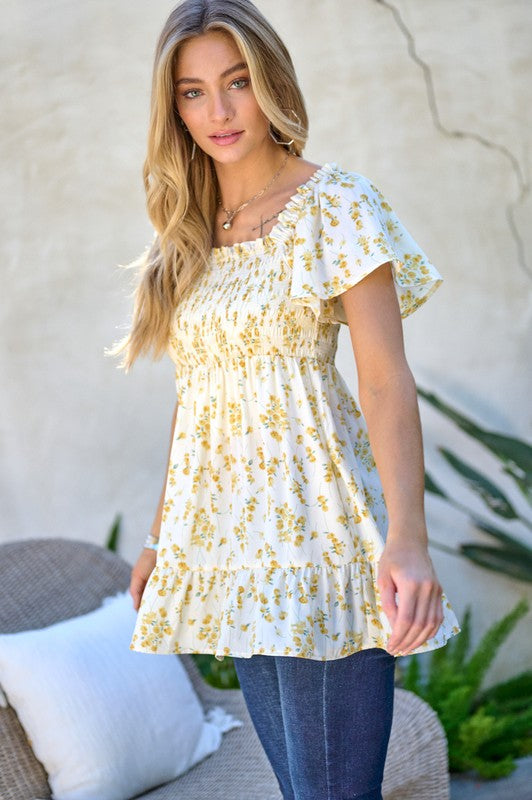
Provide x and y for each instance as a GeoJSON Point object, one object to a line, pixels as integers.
{"type": "Point", "coordinates": [214, 96]}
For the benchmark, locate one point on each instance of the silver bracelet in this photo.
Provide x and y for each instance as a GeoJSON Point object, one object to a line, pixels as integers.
{"type": "Point", "coordinates": [151, 542]}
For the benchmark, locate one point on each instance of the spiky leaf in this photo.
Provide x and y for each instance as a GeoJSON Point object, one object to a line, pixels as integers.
{"type": "Point", "coordinates": [506, 734]}
{"type": "Point", "coordinates": [478, 664]}
{"type": "Point", "coordinates": [112, 536]}
{"type": "Point", "coordinates": [514, 694]}
{"type": "Point", "coordinates": [514, 453]}
{"type": "Point", "coordinates": [499, 559]}
{"type": "Point", "coordinates": [455, 707]}
{"type": "Point", "coordinates": [510, 541]}
{"type": "Point", "coordinates": [432, 486]}
{"type": "Point", "coordinates": [494, 498]}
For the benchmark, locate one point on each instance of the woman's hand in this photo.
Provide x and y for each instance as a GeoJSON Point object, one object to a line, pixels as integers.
{"type": "Point", "coordinates": [140, 574]}
{"type": "Point", "coordinates": [405, 567]}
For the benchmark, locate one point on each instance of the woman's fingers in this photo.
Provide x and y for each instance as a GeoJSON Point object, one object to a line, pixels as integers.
{"type": "Point", "coordinates": [140, 575]}
{"type": "Point", "coordinates": [387, 595]}
{"type": "Point", "coordinates": [427, 617]}
{"type": "Point", "coordinates": [436, 614]}
{"type": "Point", "coordinates": [405, 569]}
{"type": "Point", "coordinates": [406, 615]}
{"type": "Point", "coordinates": [421, 595]}
{"type": "Point", "coordinates": [136, 594]}
{"type": "Point", "coordinates": [136, 588]}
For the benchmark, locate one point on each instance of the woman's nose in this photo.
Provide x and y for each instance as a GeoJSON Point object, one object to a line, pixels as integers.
{"type": "Point", "coordinates": [220, 107]}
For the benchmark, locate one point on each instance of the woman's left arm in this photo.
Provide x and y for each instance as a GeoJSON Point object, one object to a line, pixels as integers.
{"type": "Point", "coordinates": [388, 400]}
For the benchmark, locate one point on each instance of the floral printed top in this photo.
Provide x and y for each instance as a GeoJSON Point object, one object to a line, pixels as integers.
{"type": "Point", "coordinates": [274, 516]}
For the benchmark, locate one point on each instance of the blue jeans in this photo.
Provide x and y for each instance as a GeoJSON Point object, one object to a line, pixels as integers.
{"type": "Point", "coordinates": [324, 725]}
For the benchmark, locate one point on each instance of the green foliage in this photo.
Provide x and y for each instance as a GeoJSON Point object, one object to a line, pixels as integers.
{"type": "Point", "coordinates": [486, 730]}
{"type": "Point", "coordinates": [510, 541]}
{"type": "Point", "coordinates": [500, 560]}
{"type": "Point", "coordinates": [114, 532]}
{"type": "Point", "coordinates": [510, 556]}
{"type": "Point", "coordinates": [494, 498]}
{"type": "Point", "coordinates": [511, 695]}
{"type": "Point", "coordinates": [515, 454]}
{"type": "Point", "coordinates": [221, 674]}
{"type": "Point", "coordinates": [514, 558]}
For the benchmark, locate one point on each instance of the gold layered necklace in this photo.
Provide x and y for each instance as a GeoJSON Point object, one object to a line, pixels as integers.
{"type": "Point", "coordinates": [231, 213]}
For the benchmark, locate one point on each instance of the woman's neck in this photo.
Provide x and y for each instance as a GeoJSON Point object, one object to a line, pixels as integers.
{"type": "Point", "coordinates": [240, 180]}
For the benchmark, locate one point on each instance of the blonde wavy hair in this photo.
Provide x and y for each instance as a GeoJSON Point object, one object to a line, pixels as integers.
{"type": "Point", "coordinates": [181, 194]}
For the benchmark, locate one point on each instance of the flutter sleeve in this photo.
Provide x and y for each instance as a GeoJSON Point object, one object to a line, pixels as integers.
{"type": "Point", "coordinates": [345, 232]}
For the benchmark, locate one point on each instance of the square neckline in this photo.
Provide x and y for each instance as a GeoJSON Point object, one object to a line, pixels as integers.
{"type": "Point", "coordinates": [281, 219]}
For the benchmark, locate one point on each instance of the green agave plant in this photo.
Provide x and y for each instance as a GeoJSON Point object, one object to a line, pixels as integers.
{"type": "Point", "coordinates": [510, 556]}
{"type": "Point", "coordinates": [486, 730]}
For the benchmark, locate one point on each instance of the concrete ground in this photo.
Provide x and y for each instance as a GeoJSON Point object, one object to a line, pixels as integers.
{"type": "Point", "coordinates": [517, 786]}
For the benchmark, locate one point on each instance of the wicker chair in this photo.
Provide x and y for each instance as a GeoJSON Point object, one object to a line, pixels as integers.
{"type": "Point", "coordinates": [47, 580]}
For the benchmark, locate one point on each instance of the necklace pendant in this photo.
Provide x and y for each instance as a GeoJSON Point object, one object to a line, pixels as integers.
{"type": "Point", "coordinates": [226, 226]}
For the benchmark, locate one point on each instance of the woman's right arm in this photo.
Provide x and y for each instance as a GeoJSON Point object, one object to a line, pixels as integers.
{"type": "Point", "coordinates": [146, 561]}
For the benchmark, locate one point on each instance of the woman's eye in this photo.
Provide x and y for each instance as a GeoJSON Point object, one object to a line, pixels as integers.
{"type": "Point", "coordinates": [192, 93]}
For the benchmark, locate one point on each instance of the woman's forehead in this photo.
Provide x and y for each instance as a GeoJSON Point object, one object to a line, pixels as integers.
{"type": "Point", "coordinates": [205, 51]}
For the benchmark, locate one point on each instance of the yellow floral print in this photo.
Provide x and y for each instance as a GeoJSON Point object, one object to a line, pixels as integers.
{"type": "Point", "coordinates": [274, 518]}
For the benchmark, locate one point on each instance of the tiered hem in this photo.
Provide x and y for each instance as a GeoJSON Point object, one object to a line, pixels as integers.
{"type": "Point", "coordinates": [244, 611]}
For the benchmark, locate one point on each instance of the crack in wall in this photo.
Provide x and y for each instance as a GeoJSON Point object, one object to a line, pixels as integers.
{"type": "Point", "coordinates": [522, 182]}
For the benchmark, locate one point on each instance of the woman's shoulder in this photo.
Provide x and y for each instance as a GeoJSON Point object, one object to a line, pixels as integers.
{"type": "Point", "coordinates": [346, 229]}
{"type": "Point", "coordinates": [334, 202]}
{"type": "Point", "coordinates": [307, 174]}
{"type": "Point", "coordinates": [335, 196]}
{"type": "Point", "coordinates": [329, 183]}
{"type": "Point", "coordinates": [332, 175]}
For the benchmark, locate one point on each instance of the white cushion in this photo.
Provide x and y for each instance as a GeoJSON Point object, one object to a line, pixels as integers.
{"type": "Point", "coordinates": [106, 722]}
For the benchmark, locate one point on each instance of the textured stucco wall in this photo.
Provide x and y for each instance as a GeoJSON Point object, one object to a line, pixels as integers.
{"type": "Point", "coordinates": [431, 100]}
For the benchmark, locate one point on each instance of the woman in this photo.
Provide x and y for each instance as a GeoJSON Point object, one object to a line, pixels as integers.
{"type": "Point", "coordinates": [282, 538]}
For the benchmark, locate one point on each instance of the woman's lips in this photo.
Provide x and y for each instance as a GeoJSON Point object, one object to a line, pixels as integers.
{"type": "Point", "coordinates": [229, 138]}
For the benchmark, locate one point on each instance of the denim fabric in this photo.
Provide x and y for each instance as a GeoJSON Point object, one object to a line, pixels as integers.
{"type": "Point", "coordinates": [324, 725]}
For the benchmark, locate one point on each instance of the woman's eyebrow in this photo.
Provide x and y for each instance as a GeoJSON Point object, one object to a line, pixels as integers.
{"type": "Point", "coordinates": [225, 73]}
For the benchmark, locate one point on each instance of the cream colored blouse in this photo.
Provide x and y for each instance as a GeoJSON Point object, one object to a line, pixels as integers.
{"type": "Point", "coordinates": [274, 517]}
